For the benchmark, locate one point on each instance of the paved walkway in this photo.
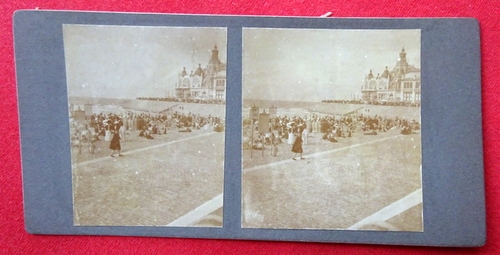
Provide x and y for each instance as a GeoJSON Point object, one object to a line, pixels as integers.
{"type": "Point", "coordinates": [150, 186]}
{"type": "Point", "coordinates": [390, 210]}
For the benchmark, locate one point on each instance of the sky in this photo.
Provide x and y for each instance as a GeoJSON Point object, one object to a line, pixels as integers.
{"type": "Point", "coordinates": [317, 64]}
{"type": "Point", "coordinates": [130, 61]}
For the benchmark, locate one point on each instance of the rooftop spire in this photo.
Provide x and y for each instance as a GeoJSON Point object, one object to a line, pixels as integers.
{"type": "Point", "coordinates": [214, 60]}
{"type": "Point", "coordinates": [214, 64]}
{"type": "Point", "coordinates": [402, 54]}
{"type": "Point", "coordinates": [183, 73]}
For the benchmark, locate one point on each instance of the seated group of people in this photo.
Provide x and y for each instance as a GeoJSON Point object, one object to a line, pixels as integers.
{"type": "Point", "coordinates": [146, 134]}
{"type": "Point", "coordinates": [266, 139]}
{"type": "Point", "coordinates": [182, 125]}
{"type": "Point", "coordinates": [152, 129]}
{"type": "Point", "coordinates": [218, 128]}
{"type": "Point", "coordinates": [406, 130]}
{"type": "Point", "coordinates": [344, 131]}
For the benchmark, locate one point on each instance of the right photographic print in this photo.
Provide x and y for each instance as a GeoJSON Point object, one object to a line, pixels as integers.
{"type": "Point", "coordinates": [331, 134]}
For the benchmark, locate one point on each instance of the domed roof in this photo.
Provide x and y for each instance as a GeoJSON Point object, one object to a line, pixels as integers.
{"type": "Point", "coordinates": [402, 53]}
{"type": "Point", "coordinates": [385, 74]}
{"type": "Point", "coordinates": [370, 75]}
{"type": "Point", "coordinates": [199, 71]}
{"type": "Point", "coordinates": [184, 73]}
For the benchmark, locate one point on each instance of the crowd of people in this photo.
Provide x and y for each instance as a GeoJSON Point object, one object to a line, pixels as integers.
{"type": "Point", "coordinates": [113, 127]}
{"type": "Point", "coordinates": [188, 100]}
{"type": "Point", "coordinates": [292, 130]}
{"type": "Point", "coordinates": [358, 101]}
{"type": "Point", "coordinates": [295, 130]}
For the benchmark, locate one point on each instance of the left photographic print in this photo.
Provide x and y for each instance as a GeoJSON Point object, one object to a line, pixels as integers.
{"type": "Point", "coordinates": [146, 108]}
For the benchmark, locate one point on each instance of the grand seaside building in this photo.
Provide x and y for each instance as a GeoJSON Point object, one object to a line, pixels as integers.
{"type": "Point", "coordinates": [401, 85]}
{"type": "Point", "coordinates": [207, 83]}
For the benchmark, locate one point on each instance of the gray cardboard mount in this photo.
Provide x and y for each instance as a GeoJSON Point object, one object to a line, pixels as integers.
{"type": "Point", "coordinates": [452, 153]}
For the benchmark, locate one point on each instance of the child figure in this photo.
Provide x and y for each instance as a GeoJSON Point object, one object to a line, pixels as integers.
{"type": "Point", "coordinates": [274, 146]}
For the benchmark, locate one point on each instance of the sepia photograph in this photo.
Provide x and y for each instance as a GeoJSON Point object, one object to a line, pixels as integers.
{"type": "Point", "coordinates": [331, 135]}
{"type": "Point", "coordinates": [146, 109]}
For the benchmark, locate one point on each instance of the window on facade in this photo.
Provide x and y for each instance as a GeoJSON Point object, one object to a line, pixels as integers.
{"type": "Point", "coordinates": [220, 83]}
{"type": "Point", "coordinates": [417, 85]}
{"type": "Point", "coordinates": [219, 94]}
{"type": "Point", "coordinates": [417, 96]}
{"type": "Point", "coordinates": [196, 82]}
{"type": "Point", "coordinates": [407, 96]}
{"type": "Point", "coordinates": [186, 82]}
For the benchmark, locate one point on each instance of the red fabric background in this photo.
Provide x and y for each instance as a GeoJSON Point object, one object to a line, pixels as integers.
{"type": "Point", "coordinates": [14, 239]}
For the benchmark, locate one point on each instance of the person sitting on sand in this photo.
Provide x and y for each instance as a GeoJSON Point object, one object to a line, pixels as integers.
{"type": "Point", "coordinates": [185, 130]}
{"type": "Point", "coordinates": [405, 130]}
{"type": "Point", "coordinates": [218, 128]}
{"type": "Point", "coordinates": [145, 133]}
{"type": "Point", "coordinates": [371, 132]}
{"type": "Point", "coordinates": [331, 137]}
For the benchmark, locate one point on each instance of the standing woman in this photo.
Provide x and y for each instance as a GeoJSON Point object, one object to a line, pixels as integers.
{"type": "Point", "coordinates": [108, 131]}
{"type": "Point", "coordinates": [115, 144]}
{"type": "Point", "coordinates": [297, 147]}
{"type": "Point", "coordinates": [291, 137]}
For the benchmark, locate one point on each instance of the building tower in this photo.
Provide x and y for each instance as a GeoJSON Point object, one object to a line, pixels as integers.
{"type": "Point", "coordinates": [401, 85]}
{"type": "Point", "coordinates": [402, 64]}
{"type": "Point", "coordinates": [214, 65]}
{"type": "Point", "coordinates": [207, 83]}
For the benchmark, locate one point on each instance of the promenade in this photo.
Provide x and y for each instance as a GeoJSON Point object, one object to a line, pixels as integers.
{"type": "Point", "coordinates": [340, 185]}
{"type": "Point", "coordinates": [155, 183]}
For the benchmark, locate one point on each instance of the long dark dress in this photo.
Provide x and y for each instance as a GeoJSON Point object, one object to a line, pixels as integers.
{"type": "Point", "coordinates": [297, 145]}
{"type": "Point", "coordinates": [115, 143]}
